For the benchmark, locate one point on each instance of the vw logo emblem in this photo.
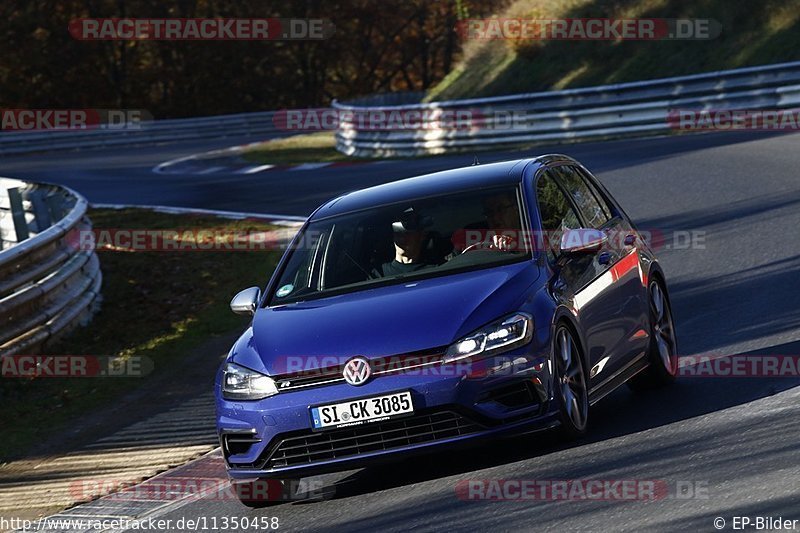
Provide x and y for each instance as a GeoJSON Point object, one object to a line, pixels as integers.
{"type": "Point", "coordinates": [356, 371]}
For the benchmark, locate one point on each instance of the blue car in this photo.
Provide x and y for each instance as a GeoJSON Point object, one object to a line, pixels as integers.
{"type": "Point", "coordinates": [440, 310]}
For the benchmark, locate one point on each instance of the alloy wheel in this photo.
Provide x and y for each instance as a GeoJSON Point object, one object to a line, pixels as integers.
{"type": "Point", "coordinates": [571, 380]}
{"type": "Point", "coordinates": [663, 328]}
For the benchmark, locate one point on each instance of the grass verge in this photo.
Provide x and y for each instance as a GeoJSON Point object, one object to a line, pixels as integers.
{"type": "Point", "coordinates": [753, 33]}
{"type": "Point", "coordinates": [160, 305]}
{"type": "Point", "coordinates": [318, 147]}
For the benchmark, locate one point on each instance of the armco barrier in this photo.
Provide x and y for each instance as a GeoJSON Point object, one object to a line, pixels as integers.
{"type": "Point", "coordinates": [145, 133]}
{"type": "Point", "coordinates": [47, 284]}
{"type": "Point", "coordinates": [606, 111]}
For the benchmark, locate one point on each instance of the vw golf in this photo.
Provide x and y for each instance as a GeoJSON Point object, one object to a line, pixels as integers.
{"type": "Point", "coordinates": [441, 309]}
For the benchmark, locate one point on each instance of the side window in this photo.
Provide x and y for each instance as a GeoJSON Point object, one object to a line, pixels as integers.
{"type": "Point", "coordinates": [604, 203]}
{"type": "Point", "coordinates": [594, 212]}
{"type": "Point", "coordinates": [556, 212]}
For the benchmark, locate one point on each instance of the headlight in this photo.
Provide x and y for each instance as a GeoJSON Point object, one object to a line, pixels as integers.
{"type": "Point", "coordinates": [502, 335]}
{"type": "Point", "coordinates": [239, 383]}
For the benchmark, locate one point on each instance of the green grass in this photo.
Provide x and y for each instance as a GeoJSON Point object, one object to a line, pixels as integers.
{"type": "Point", "coordinates": [753, 33]}
{"type": "Point", "coordinates": [319, 147]}
{"type": "Point", "coordinates": [160, 305]}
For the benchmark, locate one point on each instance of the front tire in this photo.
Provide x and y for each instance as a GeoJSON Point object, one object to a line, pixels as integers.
{"type": "Point", "coordinates": [570, 384]}
{"type": "Point", "coordinates": [663, 351]}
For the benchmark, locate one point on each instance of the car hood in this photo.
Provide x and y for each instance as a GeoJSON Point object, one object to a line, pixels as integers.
{"type": "Point", "coordinates": [396, 319]}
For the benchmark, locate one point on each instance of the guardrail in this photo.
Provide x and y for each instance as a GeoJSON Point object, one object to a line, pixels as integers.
{"type": "Point", "coordinates": [606, 111]}
{"type": "Point", "coordinates": [144, 133]}
{"type": "Point", "coordinates": [47, 283]}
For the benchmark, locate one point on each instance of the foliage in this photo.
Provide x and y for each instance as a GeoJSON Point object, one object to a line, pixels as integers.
{"type": "Point", "coordinates": [378, 46]}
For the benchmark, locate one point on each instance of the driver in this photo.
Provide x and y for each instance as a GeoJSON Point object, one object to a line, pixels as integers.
{"type": "Point", "coordinates": [409, 236]}
{"type": "Point", "coordinates": [502, 224]}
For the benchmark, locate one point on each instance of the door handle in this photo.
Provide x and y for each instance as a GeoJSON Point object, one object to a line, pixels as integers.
{"type": "Point", "coordinates": [604, 258]}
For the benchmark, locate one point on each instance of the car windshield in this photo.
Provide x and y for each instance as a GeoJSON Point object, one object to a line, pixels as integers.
{"type": "Point", "coordinates": [414, 239]}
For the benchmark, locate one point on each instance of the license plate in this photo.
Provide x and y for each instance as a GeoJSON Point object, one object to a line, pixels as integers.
{"type": "Point", "coordinates": [363, 411]}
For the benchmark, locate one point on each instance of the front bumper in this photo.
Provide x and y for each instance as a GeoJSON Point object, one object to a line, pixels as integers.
{"type": "Point", "coordinates": [272, 438]}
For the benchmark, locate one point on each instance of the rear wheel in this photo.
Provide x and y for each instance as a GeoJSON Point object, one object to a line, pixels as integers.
{"type": "Point", "coordinates": [663, 351]}
{"type": "Point", "coordinates": [570, 384]}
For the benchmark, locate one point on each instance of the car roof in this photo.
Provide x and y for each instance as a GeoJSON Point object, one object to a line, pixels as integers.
{"type": "Point", "coordinates": [458, 179]}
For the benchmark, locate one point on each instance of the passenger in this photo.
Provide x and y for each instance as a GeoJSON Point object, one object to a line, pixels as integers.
{"type": "Point", "coordinates": [409, 235]}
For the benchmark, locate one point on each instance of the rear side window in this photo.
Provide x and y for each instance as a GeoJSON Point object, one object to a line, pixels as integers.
{"type": "Point", "coordinates": [594, 210]}
{"type": "Point", "coordinates": [556, 212]}
{"type": "Point", "coordinates": [602, 200]}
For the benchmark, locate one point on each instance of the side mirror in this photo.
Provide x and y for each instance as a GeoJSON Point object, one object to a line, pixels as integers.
{"type": "Point", "coordinates": [582, 240]}
{"type": "Point", "coordinates": [246, 301]}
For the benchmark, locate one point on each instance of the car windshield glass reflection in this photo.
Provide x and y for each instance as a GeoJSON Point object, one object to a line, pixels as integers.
{"type": "Point", "coordinates": [413, 239]}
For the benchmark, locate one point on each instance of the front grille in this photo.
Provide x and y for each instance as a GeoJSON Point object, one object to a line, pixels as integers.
{"type": "Point", "coordinates": [311, 447]}
{"type": "Point", "coordinates": [311, 378]}
{"type": "Point", "coordinates": [380, 366]}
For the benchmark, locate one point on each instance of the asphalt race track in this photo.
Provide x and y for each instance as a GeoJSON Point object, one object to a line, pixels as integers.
{"type": "Point", "coordinates": [737, 438]}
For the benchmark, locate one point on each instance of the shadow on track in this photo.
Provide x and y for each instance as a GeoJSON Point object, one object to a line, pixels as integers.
{"type": "Point", "coordinates": [622, 413]}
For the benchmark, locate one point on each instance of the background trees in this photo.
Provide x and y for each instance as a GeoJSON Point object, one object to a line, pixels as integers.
{"type": "Point", "coordinates": [378, 46]}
